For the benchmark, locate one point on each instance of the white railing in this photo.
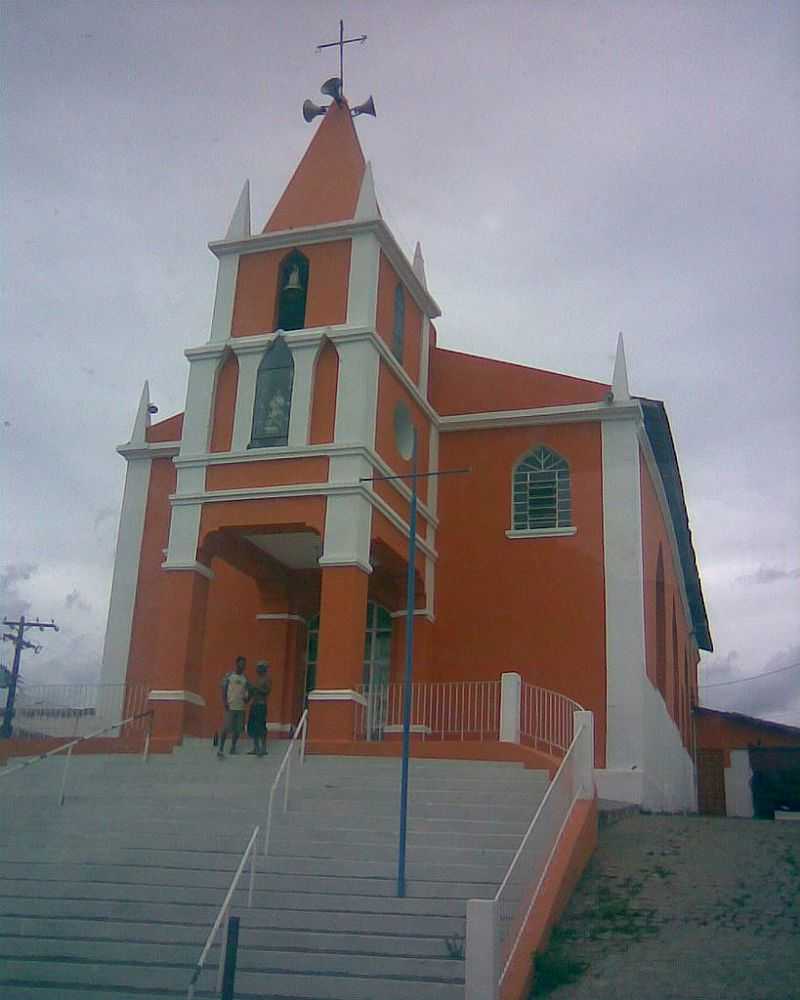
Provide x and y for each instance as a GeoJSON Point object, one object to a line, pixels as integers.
{"type": "Point", "coordinates": [462, 710]}
{"type": "Point", "coordinates": [73, 743]}
{"type": "Point", "coordinates": [224, 913]}
{"type": "Point", "coordinates": [495, 926]}
{"type": "Point", "coordinates": [297, 745]}
{"type": "Point", "coordinates": [546, 719]}
{"type": "Point", "coordinates": [61, 711]}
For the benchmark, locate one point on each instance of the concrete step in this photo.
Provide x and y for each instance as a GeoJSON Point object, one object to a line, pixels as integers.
{"type": "Point", "coordinates": [251, 957]}
{"type": "Point", "coordinates": [132, 911]}
{"type": "Point", "coordinates": [146, 932]}
{"type": "Point", "coordinates": [369, 985]}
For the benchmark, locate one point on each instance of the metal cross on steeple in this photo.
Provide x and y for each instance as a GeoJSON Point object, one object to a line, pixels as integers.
{"type": "Point", "coordinates": [340, 45]}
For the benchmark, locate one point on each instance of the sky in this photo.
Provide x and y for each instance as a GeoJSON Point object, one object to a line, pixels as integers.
{"type": "Point", "coordinates": [572, 170]}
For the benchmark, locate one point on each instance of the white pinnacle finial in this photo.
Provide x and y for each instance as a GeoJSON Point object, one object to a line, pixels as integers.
{"type": "Point", "coordinates": [142, 422]}
{"type": "Point", "coordinates": [367, 205]}
{"type": "Point", "coordinates": [619, 384]}
{"type": "Point", "coordinates": [239, 228]}
{"type": "Point", "coordinates": [418, 267]}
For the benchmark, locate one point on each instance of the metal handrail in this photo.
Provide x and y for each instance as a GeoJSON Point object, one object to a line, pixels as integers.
{"type": "Point", "coordinates": [299, 736]}
{"type": "Point", "coordinates": [224, 912]}
{"type": "Point", "coordinates": [72, 743]}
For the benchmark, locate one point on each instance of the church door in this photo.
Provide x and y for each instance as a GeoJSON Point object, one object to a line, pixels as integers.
{"type": "Point", "coordinates": [377, 655]}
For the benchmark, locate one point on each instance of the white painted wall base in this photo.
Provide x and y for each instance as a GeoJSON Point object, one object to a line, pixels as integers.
{"type": "Point", "coordinates": [619, 786]}
{"type": "Point", "coordinates": [738, 794]}
{"type": "Point", "coordinates": [669, 774]}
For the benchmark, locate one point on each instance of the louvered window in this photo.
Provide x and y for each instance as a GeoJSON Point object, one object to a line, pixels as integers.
{"type": "Point", "coordinates": [541, 494]}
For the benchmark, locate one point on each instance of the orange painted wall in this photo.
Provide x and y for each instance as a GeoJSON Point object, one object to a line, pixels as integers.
{"type": "Point", "coordinates": [231, 630]}
{"type": "Point", "coordinates": [147, 607]}
{"type": "Point", "coordinates": [464, 383]}
{"type": "Point", "coordinates": [170, 429]}
{"type": "Point", "coordinates": [390, 392]}
{"type": "Point", "coordinates": [276, 472]}
{"type": "Point", "coordinates": [720, 732]}
{"type": "Point", "coordinates": [224, 404]}
{"type": "Point", "coordinates": [534, 605]}
{"type": "Point", "coordinates": [257, 283]}
{"type": "Point", "coordinates": [654, 533]}
{"type": "Point", "coordinates": [286, 513]}
{"type": "Point", "coordinates": [323, 404]}
{"type": "Point", "coordinates": [412, 329]}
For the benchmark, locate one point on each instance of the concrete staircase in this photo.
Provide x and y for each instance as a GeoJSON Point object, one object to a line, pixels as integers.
{"type": "Point", "coordinates": [113, 894]}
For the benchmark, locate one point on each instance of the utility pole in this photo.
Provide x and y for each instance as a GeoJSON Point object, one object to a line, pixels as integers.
{"type": "Point", "coordinates": [20, 643]}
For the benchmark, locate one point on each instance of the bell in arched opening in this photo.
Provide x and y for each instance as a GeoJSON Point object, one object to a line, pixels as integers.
{"type": "Point", "coordinates": [292, 292]}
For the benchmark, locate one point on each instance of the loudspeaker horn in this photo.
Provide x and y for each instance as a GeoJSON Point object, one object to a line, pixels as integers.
{"type": "Point", "coordinates": [332, 88]}
{"type": "Point", "coordinates": [311, 110]}
{"type": "Point", "coordinates": [367, 108]}
{"type": "Point", "coordinates": [404, 432]}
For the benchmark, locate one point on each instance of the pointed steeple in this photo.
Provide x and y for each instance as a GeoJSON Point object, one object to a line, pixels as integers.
{"type": "Point", "coordinates": [239, 227]}
{"type": "Point", "coordinates": [367, 205]}
{"type": "Point", "coordinates": [142, 421]}
{"type": "Point", "coordinates": [418, 265]}
{"type": "Point", "coordinates": [326, 185]}
{"type": "Point", "coordinates": [619, 384]}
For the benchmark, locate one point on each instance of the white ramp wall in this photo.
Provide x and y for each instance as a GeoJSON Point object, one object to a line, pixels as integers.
{"type": "Point", "coordinates": [669, 775]}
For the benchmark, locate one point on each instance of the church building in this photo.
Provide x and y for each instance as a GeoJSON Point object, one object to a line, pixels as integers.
{"type": "Point", "coordinates": [264, 521]}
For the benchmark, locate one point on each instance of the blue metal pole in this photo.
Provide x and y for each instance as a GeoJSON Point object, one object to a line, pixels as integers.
{"type": "Point", "coordinates": [412, 556]}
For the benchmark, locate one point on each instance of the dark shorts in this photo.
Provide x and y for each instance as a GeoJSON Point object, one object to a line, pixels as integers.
{"type": "Point", "coordinates": [257, 720]}
{"type": "Point", "coordinates": [233, 722]}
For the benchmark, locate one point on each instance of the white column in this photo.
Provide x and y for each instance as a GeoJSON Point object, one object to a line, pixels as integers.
{"type": "Point", "coordinates": [424, 356]}
{"type": "Point", "coordinates": [348, 517]}
{"type": "Point", "coordinates": [362, 287]}
{"type": "Point", "coordinates": [510, 705]}
{"type": "Point", "coordinates": [625, 640]}
{"type": "Point", "coordinates": [303, 356]}
{"type": "Point", "coordinates": [481, 966]}
{"type": "Point", "coordinates": [357, 392]}
{"type": "Point", "coordinates": [245, 397]}
{"type": "Point", "coordinates": [222, 316]}
{"type": "Point", "coordinates": [203, 364]}
{"type": "Point", "coordinates": [585, 751]}
{"type": "Point", "coordinates": [116, 647]}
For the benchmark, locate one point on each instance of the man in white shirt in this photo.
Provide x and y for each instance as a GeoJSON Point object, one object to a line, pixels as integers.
{"type": "Point", "coordinates": [234, 696]}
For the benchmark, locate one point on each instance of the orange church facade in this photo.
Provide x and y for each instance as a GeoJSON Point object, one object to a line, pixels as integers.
{"type": "Point", "coordinates": [253, 523]}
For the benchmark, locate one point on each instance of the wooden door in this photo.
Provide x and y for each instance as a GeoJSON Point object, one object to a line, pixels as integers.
{"type": "Point", "coordinates": [711, 782]}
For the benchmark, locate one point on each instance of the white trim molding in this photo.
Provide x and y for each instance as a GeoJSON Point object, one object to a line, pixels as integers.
{"type": "Point", "coordinates": [186, 696]}
{"type": "Point", "coordinates": [570, 414]}
{"type": "Point", "coordinates": [329, 233]}
{"type": "Point", "coordinates": [189, 567]}
{"type": "Point", "coordinates": [337, 694]}
{"type": "Point", "coordinates": [280, 616]}
{"type": "Point", "coordinates": [542, 532]}
{"type": "Point", "coordinates": [151, 449]}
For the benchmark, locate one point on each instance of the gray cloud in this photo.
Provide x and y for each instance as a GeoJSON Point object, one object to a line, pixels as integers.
{"type": "Point", "coordinates": [74, 600]}
{"type": "Point", "coordinates": [770, 574]}
{"type": "Point", "coordinates": [775, 697]}
{"type": "Point", "coordinates": [12, 604]}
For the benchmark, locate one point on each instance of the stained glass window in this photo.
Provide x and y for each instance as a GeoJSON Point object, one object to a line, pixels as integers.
{"type": "Point", "coordinates": [541, 492]}
{"type": "Point", "coordinates": [273, 397]}
{"type": "Point", "coordinates": [398, 329]}
{"type": "Point", "coordinates": [292, 292]}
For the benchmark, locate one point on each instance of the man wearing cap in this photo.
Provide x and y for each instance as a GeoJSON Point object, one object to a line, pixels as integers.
{"type": "Point", "coordinates": [258, 693]}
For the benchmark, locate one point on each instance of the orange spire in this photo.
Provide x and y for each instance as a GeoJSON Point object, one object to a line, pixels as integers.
{"type": "Point", "coordinates": [325, 185]}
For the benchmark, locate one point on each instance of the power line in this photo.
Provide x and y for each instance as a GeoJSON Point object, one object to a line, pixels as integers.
{"type": "Point", "coordinates": [755, 677]}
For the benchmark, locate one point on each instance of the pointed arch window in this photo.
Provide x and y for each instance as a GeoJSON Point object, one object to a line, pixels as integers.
{"type": "Point", "coordinates": [541, 500]}
{"type": "Point", "coordinates": [292, 292]}
{"type": "Point", "coordinates": [273, 397]}
{"type": "Point", "coordinates": [398, 329]}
